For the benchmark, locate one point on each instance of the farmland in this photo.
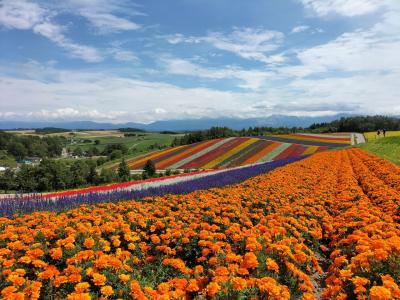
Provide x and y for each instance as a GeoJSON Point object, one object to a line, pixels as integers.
{"type": "Point", "coordinates": [84, 139]}
{"type": "Point", "coordinates": [372, 135]}
{"type": "Point", "coordinates": [232, 152]}
{"type": "Point", "coordinates": [325, 226]}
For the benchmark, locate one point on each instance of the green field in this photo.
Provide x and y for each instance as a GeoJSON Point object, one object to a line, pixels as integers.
{"type": "Point", "coordinates": [135, 143]}
{"type": "Point", "coordinates": [388, 148]}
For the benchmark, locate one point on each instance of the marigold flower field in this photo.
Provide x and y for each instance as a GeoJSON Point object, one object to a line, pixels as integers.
{"type": "Point", "coordinates": [325, 227]}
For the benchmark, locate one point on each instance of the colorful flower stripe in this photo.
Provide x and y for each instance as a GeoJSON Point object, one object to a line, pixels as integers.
{"type": "Point", "coordinates": [291, 140]}
{"type": "Point", "coordinates": [167, 155]}
{"type": "Point", "coordinates": [315, 139]}
{"type": "Point", "coordinates": [199, 154]}
{"type": "Point", "coordinates": [278, 150]}
{"type": "Point", "coordinates": [166, 163]}
{"type": "Point", "coordinates": [133, 164]}
{"type": "Point", "coordinates": [269, 147]}
{"type": "Point", "coordinates": [209, 156]}
{"type": "Point", "coordinates": [311, 149]}
{"type": "Point", "coordinates": [243, 152]}
{"type": "Point", "coordinates": [250, 152]}
{"type": "Point", "coordinates": [329, 136]}
{"type": "Point", "coordinates": [136, 189]}
{"type": "Point", "coordinates": [226, 155]}
{"type": "Point", "coordinates": [222, 153]}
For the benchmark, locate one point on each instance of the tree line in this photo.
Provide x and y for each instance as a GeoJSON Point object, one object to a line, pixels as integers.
{"type": "Point", "coordinates": [358, 124]}
{"type": "Point", "coordinates": [24, 146]}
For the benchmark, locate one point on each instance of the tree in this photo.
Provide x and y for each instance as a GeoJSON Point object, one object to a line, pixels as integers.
{"type": "Point", "coordinates": [123, 171]}
{"type": "Point", "coordinates": [107, 176]}
{"type": "Point", "coordinates": [7, 180]}
{"type": "Point", "coordinates": [149, 168]}
{"type": "Point", "coordinates": [26, 179]}
{"type": "Point", "coordinates": [18, 150]}
{"type": "Point", "coordinates": [78, 152]}
{"type": "Point", "coordinates": [115, 154]}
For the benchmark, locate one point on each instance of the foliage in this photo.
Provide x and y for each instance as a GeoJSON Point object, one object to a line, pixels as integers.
{"type": "Point", "coordinates": [149, 168]}
{"type": "Point", "coordinates": [21, 147]}
{"type": "Point", "coordinates": [359, 124]}
{"type": "Point", "coordinates": [123, 171]}
{"type": "Point", "coordinates": [50, 130]}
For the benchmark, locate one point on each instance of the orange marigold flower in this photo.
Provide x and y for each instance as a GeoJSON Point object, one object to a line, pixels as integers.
{"type": "Point", "coordinates": [272, 265]}
{"type": "Point", "coordinates": [82, 287]}
{"type": "Point", "coordinates": [7, 291]}
{"type": "Point", "coordinates": [99, 279]}
{"type": "Point", "coordinates": [124, 278]}
{"type": "Point", "coordinates": [106, 290]}
{"type": "Point", "coordinates": [163, 288]}
{"type": "Point", "coordinates": [136, 291]}
{"type": "Point", "coordinates": [239, 283]}
{"type": "Point", "coordinates": [221, 271]}
{"type": "Point", "coordinates": [88, 243]}
{"type": "Point", "coordinates": [79, 296]}
{"type": "Point", "coordinates": [250, 261]}
{"type": "Point", "coordinates": [16, 280]}
{"type": "Point", "coordinates": [192, 286]}
{"type": "Point", "coordinates": [56, 253]}
{"type": "Point", "coordinates": [359, 283]}
{"type": "Point", "coordinates": [380, 293]}
{"type": "Point", "coordinates": [212, 289]}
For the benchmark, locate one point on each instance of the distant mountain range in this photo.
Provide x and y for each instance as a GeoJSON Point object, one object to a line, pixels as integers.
{"type": "Point", "coordinates": [178, 125]}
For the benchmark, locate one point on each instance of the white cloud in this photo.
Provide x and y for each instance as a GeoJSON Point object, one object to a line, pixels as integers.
{"type": "Point", "coordinates": [251, 79]}
{"type": "Point", "coordinates": [20, 14]}
{"type": "Point", "coordinates": [104, 15]}
{"type": "Point", "coordinates": [248, 43]}
{"type": "Point", "coordinates": [30, 16]}
{"type": "Point", "coordinates": [122, 55]}
{"type": "Point", "coordinates": [300, 28]}
{"type": "Point", "coordinates": [365, 50]}
{"type": "Point", "coordinates": [129, 99]}
{"type": "Point", "coordinates": [348, 8]}
{"type": "Point", "coordinates": [24, 15]}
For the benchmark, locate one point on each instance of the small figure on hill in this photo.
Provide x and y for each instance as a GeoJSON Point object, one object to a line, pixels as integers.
{"type": "Point", "coordinates": [378, 133]}
{"type": "Point", "coordinates": [384, 132]}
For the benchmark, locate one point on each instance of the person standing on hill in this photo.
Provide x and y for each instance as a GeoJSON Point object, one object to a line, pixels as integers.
{"type": "Point", "coordinates": [384, 132]}
{"type": "Point", "coordinates": [378, 133]}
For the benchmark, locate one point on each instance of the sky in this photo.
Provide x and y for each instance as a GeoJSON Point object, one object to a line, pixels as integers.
{"type": "Point", "coordinates": [142, 61]}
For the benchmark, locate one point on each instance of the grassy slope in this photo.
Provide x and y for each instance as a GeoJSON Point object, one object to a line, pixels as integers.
{"type": "Point", "coordinates": [388, 148]}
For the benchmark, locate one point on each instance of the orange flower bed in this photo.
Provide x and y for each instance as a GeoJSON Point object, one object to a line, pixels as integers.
{"type": "Point", "coordinates": [324, 227]}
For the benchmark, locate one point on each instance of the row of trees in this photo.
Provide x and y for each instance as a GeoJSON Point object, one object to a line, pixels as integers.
{"type": "Point", "coordinates": [24, 146]}
{"type": "Point", "coordinates": [358, 124]}
{"type": "Point", "coordinates": [51, 175]}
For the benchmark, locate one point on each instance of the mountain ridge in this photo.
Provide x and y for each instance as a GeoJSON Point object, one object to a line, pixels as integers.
{"type": "Point", "coordinates": [177, 125]}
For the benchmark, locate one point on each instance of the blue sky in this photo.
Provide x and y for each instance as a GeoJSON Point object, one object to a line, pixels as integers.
{"type": "Point", "coordinates": [153, 60]}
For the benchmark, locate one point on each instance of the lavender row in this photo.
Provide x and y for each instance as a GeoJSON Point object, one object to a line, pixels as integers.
{"type": "Point", "coordinates": [8, 207]}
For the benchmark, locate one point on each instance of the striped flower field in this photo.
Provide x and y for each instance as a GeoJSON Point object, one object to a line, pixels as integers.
{"type": "Point", "coordinates": [238, 151]}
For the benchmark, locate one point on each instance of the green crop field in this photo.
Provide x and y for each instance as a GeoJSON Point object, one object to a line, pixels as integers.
{"type": "Point", "coordinates": [388, 148]}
